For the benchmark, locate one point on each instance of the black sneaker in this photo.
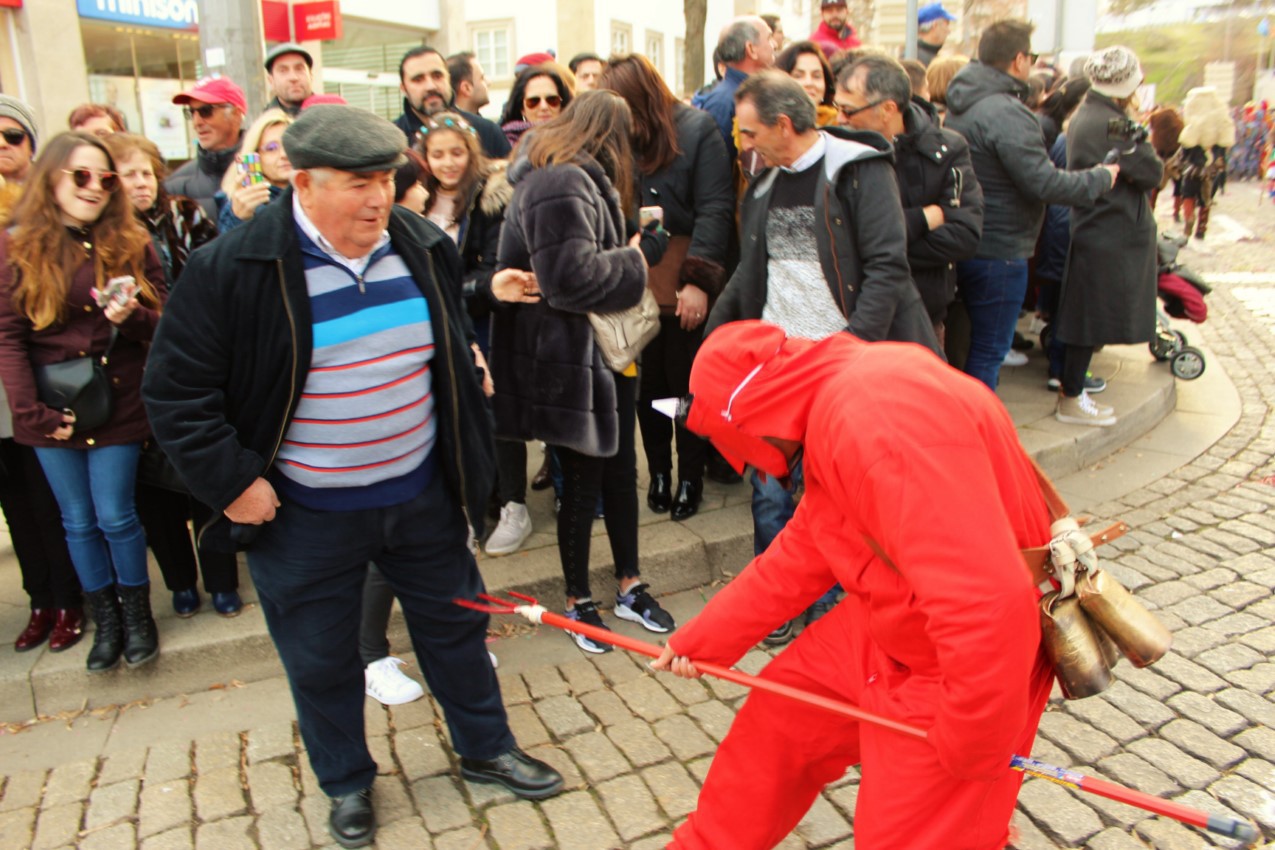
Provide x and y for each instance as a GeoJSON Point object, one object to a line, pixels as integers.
{"type": "Point", "coordinates": [637, 606]}
{"type": "Point", "coordinates": [585, 611]}
{"type": "Point", "coordinates": [779, 636]}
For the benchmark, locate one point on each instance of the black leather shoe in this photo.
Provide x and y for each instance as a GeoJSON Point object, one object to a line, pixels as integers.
{"type": "Point", "coordinates": [686, 503]}
{"type": "Point", "coordinates": [527, 777]}
{"type": "Point", "coordinates": [658, 496]}
{"type": "Point", "coordinates": [352, 822]}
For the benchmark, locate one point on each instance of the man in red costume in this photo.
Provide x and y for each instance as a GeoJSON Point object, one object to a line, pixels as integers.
{"type": "Point", "coordinates": [918, 499]}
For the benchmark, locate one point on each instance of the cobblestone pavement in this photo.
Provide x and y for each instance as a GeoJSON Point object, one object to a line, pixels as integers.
{"type": "Point", "coordinates": [1199, 726]}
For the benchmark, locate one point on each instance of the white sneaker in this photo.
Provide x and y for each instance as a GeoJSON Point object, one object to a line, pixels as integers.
{"type": "Point", "coordinates": [1083, 410]}
{"type": "Point", "coordinates": [495, 662]}
{"type": "Point", "coordinates": [1014, 358]}
{"type": "Point", "coordinates": [388, 685]}
{"type": "Point", "coordinates": [511, 532]}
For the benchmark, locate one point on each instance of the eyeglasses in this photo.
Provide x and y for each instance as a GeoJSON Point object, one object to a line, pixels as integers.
{"type": "Point", "coordinates": [850, 111]}
{"type": "Point", "coordinates": [108, 180]}
{"type": "Point", "coordinates": [271, 147]}
{"type": "Point", "coordinates": [553, 101]}
{"type": "Point", "coordinates": [205, 111]}
{"type": "Point", "coordinates": [13, 136]}
{"type": "Point", "coordinates": [1032, 57]}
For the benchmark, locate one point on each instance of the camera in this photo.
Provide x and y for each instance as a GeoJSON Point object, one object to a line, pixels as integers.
{"type": "Point", "coordinates": [1126, 130]}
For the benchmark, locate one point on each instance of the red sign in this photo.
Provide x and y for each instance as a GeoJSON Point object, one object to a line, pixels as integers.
{"type": "Point", "coordinates": [11, 4]}
{"type": "Point", "coordinates": [275, 20]}
{"type": "Point", "coordinates": [319, 21]}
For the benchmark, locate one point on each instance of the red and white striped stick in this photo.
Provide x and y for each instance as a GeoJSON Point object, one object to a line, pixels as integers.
{"type": "Point", "coordinates": [1219, 824]}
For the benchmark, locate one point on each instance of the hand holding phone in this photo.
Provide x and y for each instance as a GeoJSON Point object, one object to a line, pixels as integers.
{"type": "Point", "coordinates": [118, 291]}
{"type": "Point", "coordinates": [250, 173]}
{"type": "Point", "coordinates": [647, 215]}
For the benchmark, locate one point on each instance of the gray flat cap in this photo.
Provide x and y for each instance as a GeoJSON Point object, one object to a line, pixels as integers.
{"type": "Point", "coordinates": [345, 138]}
{"type": "Point", "coordinates": [286, 48]}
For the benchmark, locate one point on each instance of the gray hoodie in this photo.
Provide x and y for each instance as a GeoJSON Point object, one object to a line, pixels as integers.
{"type": "Point", "coordinates": [1008, 151]}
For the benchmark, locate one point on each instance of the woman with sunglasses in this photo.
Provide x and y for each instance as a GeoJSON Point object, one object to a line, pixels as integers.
{"type": "Point", "coordinates": [255, 180]}
{"type": "Point", "coordinates": [74, 234]}
{"type": "Point", "coordinates": [177, 226]}
{"type": "Point", "coordinates": [805, 63]}
{"type": "Point", "coordinates": [682, 168]}
{"type": "Point", "coordinates": [539, 95]}
{"type": "Point", "coordinates": [569, 224]}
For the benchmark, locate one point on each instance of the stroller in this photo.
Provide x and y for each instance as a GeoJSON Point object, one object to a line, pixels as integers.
{"type": "Point", "coordinates": [1182, 294]}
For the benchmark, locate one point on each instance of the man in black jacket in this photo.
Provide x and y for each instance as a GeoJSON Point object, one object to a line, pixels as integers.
{"type": "Point", "coordinates": [316, 388]}
{"type": "Point", "coordinates": [823, 248]}
{"type": "Point", "coordinates": [216, 109]}
{"type": "Point", "coordinates": [985, 105]}
{"type": "Point", "coordinates": [425, 80]}
{"type": "Point", "coordinates": [942, 201]}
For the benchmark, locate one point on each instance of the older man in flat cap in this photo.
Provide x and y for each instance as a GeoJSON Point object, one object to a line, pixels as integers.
{"type": "Point", "coordinates": [316, 386]}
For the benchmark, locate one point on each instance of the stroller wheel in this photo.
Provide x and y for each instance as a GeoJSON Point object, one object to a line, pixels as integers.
{"type": "Point", "coordinates": [1163, 346]}
{"type": "Point", "coordinates": [1180, 337]}
{"type": "Point", "coordinates": [1188, 364]}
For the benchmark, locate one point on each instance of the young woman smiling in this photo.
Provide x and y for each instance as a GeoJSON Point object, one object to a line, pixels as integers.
{"type": "Point", "coordinates": [75, 232]}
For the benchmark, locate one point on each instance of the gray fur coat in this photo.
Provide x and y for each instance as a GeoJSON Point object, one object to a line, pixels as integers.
{"type": "Point", "coordinates": [565, 224]}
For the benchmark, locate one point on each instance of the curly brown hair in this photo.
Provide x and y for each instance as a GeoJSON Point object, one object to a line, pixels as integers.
{"type": "Point", "coordinates": [44, 253]}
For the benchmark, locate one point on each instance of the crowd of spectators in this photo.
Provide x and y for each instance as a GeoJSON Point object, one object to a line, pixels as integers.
{"type": "Point", "coordinates": [822, 186]}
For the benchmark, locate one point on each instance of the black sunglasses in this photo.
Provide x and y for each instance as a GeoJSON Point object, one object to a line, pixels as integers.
{"type": "Point", "coordinates": [850, 112]}
{"type": "Point", "coordinates": [206, 111]}
{"type": "Point", "coordinates": [13, 136]}
{"type": "Point", "coordinates": [552, 100]}
{"type": "Point", "coordinates": [108, 180]}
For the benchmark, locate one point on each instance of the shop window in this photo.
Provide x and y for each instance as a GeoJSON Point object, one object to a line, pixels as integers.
{"type": "Point", "coordinates": [655, 50]}
{"type": "Point", "coordinates": [491, 48]}
{"type": "Point", "coordinates": [621, 37]}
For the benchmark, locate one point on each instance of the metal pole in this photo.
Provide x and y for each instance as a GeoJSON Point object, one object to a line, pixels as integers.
{"type": "Point", "coordinates": [234, 27]}
{"type": "Point", "coordinates": [137, 84]}
{"type": "Point", "coordinates": [910, 31]}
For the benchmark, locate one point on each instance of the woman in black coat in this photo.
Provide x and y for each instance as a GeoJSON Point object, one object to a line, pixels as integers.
{"type": "Point", "coordinates": [1108, 292]}
{"type": "Point", "coordinates": [682, 169]}
{"type": "Point", "coordinates": [567, 223]}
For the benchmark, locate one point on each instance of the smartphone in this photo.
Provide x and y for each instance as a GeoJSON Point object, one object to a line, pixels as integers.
{"type": "Point", "coordinates": [118, 290]}
{"type": "Point", "coordinates": [250, 173]}
{"type": "Point", "coordinates": [646, 215]}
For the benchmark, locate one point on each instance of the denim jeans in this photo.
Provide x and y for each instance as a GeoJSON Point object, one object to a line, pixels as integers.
{"type": "Point", "coordinates": [309, 569]}
{"type": "Point", "coordinates": [773, 506]}
{"type": "Point", "coordinates": [993, 291]}
{"type": "Point", "coordinates": [94, 489]}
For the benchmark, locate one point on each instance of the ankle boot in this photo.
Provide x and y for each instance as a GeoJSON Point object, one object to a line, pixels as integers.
{"type": "Point", "coordinates": [141, 638]}
{"type": "Point", "coordinates": [658, 496]}
{"type": "Point", "coordinates": [108, 630]}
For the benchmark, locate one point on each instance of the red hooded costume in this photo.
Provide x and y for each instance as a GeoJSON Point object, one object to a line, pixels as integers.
{"type": "Point", "coordinates": [906, 456]}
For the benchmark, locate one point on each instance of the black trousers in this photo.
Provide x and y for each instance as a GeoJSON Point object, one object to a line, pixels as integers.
{"type": "Point", "coordinates": [35, 526]}
{"type": "Point", "coordinates": [164, 515]}
{"type": "Point", "coordinates": [309, 568]}
{"type": "Point", "coordinates": [666, 371]}
{"type": "Point", "coordinates": [511, 471]}
{"type": "Point", "coordinates": [378, 604]}
{"type": "Point", "coordinates": [1076, 360]}
{"type": "Point", "coordinates": [583, 478]}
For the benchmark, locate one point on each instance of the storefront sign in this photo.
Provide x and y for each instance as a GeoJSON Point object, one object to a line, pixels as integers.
{"type": "Point", "coordinates": [319, 21]}
{"type": "Point", "coordinates": [274, 21]}
{"type": "Point", "coordinates": [169, 14]}
{"type": "Point", "coordinates": [11, 4]}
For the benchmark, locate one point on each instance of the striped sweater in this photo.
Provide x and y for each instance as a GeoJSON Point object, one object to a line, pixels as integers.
{"type": "Point", "coordinates": [364, 431]}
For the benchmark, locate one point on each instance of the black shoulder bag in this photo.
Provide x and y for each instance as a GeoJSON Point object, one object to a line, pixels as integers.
{"type": "Point", "coordinates": [80, 386]}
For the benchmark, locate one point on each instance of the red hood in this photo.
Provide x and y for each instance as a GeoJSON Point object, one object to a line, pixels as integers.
{"type": "Point", "coordinates": [751, 381]}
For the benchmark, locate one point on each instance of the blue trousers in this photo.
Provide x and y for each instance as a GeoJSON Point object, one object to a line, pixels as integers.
{"type": "Point", "coordinates": [309, 567]}
{"type": "Point", "coordinates": [993, 291]}
{"type": "Point", "coordinates": [94, 489]}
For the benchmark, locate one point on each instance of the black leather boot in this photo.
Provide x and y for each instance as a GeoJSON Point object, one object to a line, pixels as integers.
{"type": "Point", "coordinates": [141, 638]}
{"type": "Point", "coordinates": [658, 497]}
{"type": "Point", "coordinates": [108, 630]}
{"type": "Point", "coordinates": [686, 503]}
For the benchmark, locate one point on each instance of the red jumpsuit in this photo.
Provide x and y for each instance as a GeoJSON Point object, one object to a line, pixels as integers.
{"type": "Point", "coordinates": [903, 450]}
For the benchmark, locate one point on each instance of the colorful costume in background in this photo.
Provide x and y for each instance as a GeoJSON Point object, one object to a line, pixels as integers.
{"type": "Point", "coordinates": [1208, 135]}
{"type": "Point", "coordinates": [922, 525]}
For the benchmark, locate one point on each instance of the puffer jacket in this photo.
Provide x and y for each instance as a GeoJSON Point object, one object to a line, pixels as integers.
{"type": "Point", "coordinates": [1007, 147]}
{"type": "Point", "coordinates": [200, 179]}
{"type": "Point", "coordinates": [932, 165]}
